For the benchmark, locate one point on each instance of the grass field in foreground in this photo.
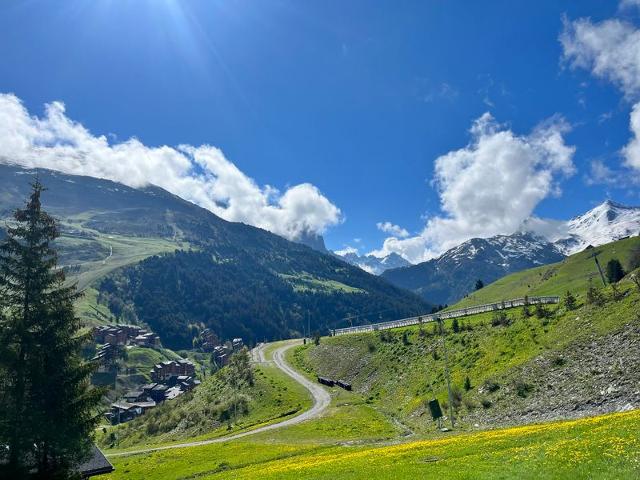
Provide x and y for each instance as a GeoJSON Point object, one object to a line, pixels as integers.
{"type": "Point", "coordinates": [605, 447]}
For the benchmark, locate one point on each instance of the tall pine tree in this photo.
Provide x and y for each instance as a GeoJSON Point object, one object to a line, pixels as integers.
{"type": "Point", "coordinates": [47, 406]}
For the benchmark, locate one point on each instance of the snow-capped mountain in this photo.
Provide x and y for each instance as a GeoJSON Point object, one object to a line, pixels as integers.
{"type": "Point", "coordinates": [371, 264]}
{"type": "Point", "coordinates": [605, 223]}
{"type": "Point", "coordinates": [449, 277]}
{"type": "Point", "coordinates": [452, 275]}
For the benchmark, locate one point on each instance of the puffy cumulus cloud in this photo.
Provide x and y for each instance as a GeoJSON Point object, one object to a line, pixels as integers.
{"type": "Point", "coordinates": [609, 49]}
{"type": "Point", "coordinates": [391, 229]}
{"type": "Point", "coordinates": [491, 186]}
{"type": "Point", "coordinates": [199, 174]}
{"type": "Point", "coordinates": [413, 249]}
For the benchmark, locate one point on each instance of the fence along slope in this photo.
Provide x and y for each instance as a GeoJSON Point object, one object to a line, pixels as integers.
{"type": "Point", "coordinates": [462, 312]}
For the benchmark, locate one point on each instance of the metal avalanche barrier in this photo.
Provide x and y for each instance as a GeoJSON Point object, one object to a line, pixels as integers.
{"type": "Point", "coordinates": [462, 312]}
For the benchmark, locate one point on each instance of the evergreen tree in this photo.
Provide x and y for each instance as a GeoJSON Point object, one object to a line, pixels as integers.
{"type": "Point", "coordinates": [615, 272]}
{"type": "Point", "coordinates": [455, 326]}
{"type": "Point", "coordinates": [479, 284]}
{"type": "Point", "coordinates": [570, 302]}
{"type": "Point", "coordinates": [594, 295]}
{"type": "Point", "coordinates": [467, 384]}
{"type": "Point", "coordinates": [47, 407]}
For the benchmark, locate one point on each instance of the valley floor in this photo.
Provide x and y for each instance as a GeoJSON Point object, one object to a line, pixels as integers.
{"type": "Point", "coordinates": [353, 440]}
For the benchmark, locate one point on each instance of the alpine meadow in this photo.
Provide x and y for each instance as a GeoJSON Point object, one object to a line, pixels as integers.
{"type": "Point", "coordinates": [319, 240]}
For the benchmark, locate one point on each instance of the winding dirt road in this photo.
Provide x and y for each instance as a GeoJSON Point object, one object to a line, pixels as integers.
{"type": "Point", "coordinates": [321, 400]}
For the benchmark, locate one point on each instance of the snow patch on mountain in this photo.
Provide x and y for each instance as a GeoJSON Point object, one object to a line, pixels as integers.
{"type": "Point", "coordinates": [370, 263]}
{"type": "Point", "coordinates": [608, 222]}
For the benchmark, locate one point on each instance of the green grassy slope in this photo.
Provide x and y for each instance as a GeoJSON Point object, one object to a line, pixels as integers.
{"type": "Point", "coordinates": [603, 447]}
{"type": "Point", "coordinates": [562, 360]}
{"type": "Point", "coordinates": [573, 273]}
{"type": "Point", "coordinates": [214, 409]}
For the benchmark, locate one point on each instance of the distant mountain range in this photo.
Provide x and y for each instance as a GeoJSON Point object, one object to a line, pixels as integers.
{"type": "Point", "coordinates": [234, 278]}
{"type": "Point", "coordinates": [372, 264]}
{"type": "Point", "coordinates": [446, 279]}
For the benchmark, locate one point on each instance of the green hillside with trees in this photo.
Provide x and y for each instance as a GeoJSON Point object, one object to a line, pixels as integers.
{"type": "Point", "coordinates": [163, 261]}
{"type": "Point", "coordinates": [578, 358]}
{"type": "Point", "coordinates": [574, 274]}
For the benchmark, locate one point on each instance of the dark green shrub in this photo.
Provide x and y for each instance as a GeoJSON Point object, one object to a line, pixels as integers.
{"type": "Point", "coordinates": [522, 388]}
{"type": "Point", "coordinates": [490, 385]}
{"type": "Point", "coordinates": [594, 296]}
{"type": "Point", "coordinates": [500, 318]}
{"type": "Point", "coordinates": [570, 302]}
{"type": "Point", "coordinates": [467, 383]}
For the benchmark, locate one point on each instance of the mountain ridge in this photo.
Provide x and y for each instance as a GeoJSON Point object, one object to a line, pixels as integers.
{"type": "Point", "coordinates": [371, 263]}
{"type": "Point", "coordinates": [250, 282]}
{"type": "Point", "coordinates": [452, 275]}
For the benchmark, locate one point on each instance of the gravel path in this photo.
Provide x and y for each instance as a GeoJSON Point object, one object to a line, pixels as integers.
{"type": "Point", "coordinates": [321, 400]}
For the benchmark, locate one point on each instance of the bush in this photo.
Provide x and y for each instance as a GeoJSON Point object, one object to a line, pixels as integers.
{"type": "Point", "coordinates": [570, 302]}
{"type": "Point", "coordinates": [595, 296]}
{"type": "Point", "coordinates": [469, 403]}
{"type": "Point", "coordinates": [541, 311]}
{"type": "Point", "coordinates": [385, 336]}
{"type": "Point", "coordinates": [490, 385]}
{"type": "Point", "coordinates": [467, 383]}
{"type": "Point", "coordinates": [522, 388]}
{"type": "Point", "coordinates": [405, 338]}
{"type": "Point", "coordinates": [500, 318]}
{"type": "Point", "coordinates": [486, 403]}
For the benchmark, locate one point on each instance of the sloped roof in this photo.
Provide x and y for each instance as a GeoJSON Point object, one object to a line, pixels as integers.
{"type": "Point", "coordinates": [96, 464]}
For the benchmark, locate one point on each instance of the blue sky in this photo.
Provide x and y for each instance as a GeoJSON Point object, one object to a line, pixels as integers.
{"type": "Point", "coordinates": [357, 98]}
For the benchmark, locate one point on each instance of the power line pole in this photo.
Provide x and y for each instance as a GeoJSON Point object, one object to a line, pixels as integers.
{"type": "Point", "coordinates": [446, 371]}
{"type": "Point", "coordinates": [600, 270]}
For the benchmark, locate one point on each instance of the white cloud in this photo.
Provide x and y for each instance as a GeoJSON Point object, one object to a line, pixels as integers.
{"type": "Point", "coordinates": [552, 230]}
{"type": "Point", "coordinates": [609, 49]}
{"type": "Point", "coordinates": [391, 229]}
{"type": "Point", "coordinates": [346, 251]}
{"type": "Point", "coordinates": [491, 186]}
{"type": "Point", "coordinates": [413, 249]}
{"type": "Point", "coordinates": [199, 174]}
{"type": "Point", "coordinates": [631, 152]}
{"type": "Point", "coordinates": [629, 4]}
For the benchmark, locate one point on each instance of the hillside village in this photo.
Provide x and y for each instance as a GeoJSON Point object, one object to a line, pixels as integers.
{"type": "Point", "coordinates": [169, 379]}
{"type": "Point", "coordinates": [287, 240]}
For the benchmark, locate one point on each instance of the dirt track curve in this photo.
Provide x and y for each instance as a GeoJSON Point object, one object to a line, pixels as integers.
{"type": "Point", "coordinates": [321, 400]}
